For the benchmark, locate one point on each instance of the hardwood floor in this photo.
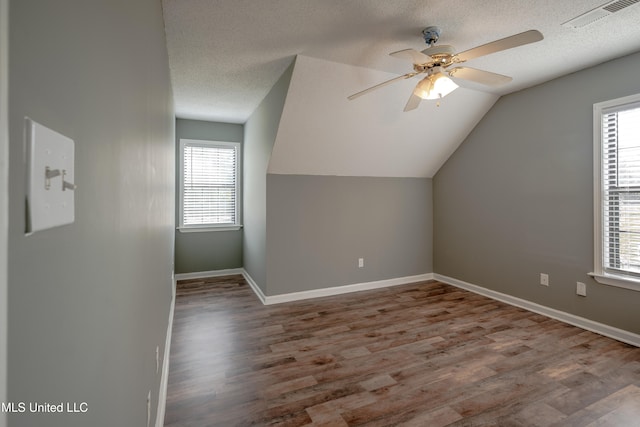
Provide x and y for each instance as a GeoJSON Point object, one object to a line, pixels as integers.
{"type": "Point", "coordinates": [425, 354]}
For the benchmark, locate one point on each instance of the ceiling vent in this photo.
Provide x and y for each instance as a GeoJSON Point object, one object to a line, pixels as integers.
{"type": "Point", "coordinates": [599, 13]}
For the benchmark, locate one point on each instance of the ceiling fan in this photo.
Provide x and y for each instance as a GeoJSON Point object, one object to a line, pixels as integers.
{"type": "Point", "coordinates": [437, 61]}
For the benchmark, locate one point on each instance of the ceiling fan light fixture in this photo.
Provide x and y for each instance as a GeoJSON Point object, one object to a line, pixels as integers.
{"type": "Point", "coordinates": [423, 88]}
{"type": "Point", "coordinates": [442, 86]}
{"type": "Point", "coordinates": [435, 86]}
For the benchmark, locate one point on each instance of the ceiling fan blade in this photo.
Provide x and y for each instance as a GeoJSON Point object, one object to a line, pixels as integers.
{"type": "Point", "coordinates": [413, 55]}
{"type": "Point", "coordinates": [486, 78]}
{"type": "Point", "coordinates": [379, 85]}
{"type": "Point", "coordinates": [516, 40]}
{"type": "Point", "coordinates": [412, 103]}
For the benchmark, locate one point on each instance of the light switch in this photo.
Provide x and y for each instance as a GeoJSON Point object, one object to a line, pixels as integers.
{"type": "Point", "coordinates": [50, 178]}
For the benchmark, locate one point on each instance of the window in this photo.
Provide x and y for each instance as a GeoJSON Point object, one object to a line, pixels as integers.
{"type": "Point", "coordinates": [617, 192]}
{"type": "Point", "coordinates": [209, 185]}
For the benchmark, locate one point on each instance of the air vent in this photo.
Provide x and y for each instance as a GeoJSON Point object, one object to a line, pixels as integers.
{"type": "Point", "coordinates": [598, 13]}
{"type": "Point", "coordinates": [618, 5]}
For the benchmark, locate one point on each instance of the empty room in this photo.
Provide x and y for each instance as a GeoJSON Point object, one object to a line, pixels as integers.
{"type": "Point", "coordinates": [319, 213]}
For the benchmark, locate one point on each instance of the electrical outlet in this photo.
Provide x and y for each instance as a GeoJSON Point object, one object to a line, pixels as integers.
{"type": "Point", "coordinates": [157, 359]}
{"type": "Point", "coordinates": [581, 289]}
{"type": "Point", "coordinates": [544, 279]}
{"type": "Point", "coordinates": [360, 262]}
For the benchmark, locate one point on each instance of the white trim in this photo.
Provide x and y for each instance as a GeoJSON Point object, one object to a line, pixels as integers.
{"type": "Point", "coordinates": [164, 378]}
{"type": "Point", "coordinates": [599, 273]}
{"type": "Point", "coordinates": [212, 273]}
{"type": "Point", "coordinates": [238, 197]}
{"type": "Point", "coordinates": [334, 290]}
{"type": "Point", "coordinates": [597, 189]}
{"type": "Point", "coordinates": [581, 322]}
{"type": "Point", "coordinates": [626, 282]}
{"type": "Point", "coordinates": [199, 229]}
{"type": "Point", "coordinates": [254, 287]}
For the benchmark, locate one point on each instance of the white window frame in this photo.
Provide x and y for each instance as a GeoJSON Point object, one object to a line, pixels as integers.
{"type": "Point", "coordinates": [600, 274]}
{"type": "Point", "coordinates": [188, 228]}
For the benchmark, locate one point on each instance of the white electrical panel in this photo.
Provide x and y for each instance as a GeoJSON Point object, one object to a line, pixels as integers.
{"type": "Point", "coordinates": [50, 178]}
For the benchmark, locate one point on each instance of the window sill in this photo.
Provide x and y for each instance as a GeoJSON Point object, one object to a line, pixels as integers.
{"type": "Point", "coordinates": [209, 228]}
{"type": "Point", "coordinates": [625, 282]}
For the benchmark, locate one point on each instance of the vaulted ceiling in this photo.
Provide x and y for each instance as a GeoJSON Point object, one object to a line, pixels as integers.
{"type": "Point", "coordinates": [225, 55]}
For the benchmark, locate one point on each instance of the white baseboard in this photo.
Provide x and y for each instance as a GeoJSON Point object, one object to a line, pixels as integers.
{"type": "Point", "coordinates": [219, 273]}
{"type": "Point", "coordinates": [581, 322]}
{"type": "Point", "coordinates": [254, 287]}
{"type": "Point", "coordinates": [334, 290]}
{"type": "Point", "coordinates": [164, 378]}
{"type": "Point", "coordinates": [213, 273]}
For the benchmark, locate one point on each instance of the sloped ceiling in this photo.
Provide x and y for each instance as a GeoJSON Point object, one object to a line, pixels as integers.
{"type": "Point", "coordinates": [225, 55]}
{"type": "Point", "coordinates": [323, 133]}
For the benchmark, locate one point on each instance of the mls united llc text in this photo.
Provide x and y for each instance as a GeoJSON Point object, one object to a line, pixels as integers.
{"type": "Point", "coordinates": [46, 407]}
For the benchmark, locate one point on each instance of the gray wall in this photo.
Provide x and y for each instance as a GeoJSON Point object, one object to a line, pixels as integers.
{"type": "Point", "coordinates": [4, 199]}
{"type": "Point", "coordinates": [516, 199]}
{"type": "Point", "coordinates": [318, 227]}
{"type": "Point", "coordinates": [89, 302]}
{"type": "Point", "coordinates": [209, 250]}
{"type": "Point", "coordinates": [259, 136]}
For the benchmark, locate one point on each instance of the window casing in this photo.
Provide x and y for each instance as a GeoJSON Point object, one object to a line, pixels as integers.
{"type": "Point", "coordinates": [209, 185]}
{"type": "Point", "coordinates": [617, 192]}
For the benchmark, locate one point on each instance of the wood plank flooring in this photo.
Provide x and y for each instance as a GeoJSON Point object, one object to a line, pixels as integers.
{"type": "Point", "coordinates": [425, 354]}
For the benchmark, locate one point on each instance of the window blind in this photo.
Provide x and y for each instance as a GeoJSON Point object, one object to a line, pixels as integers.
{"type": "Point", "coordinates": [621, 189]}
{"type": "Point", "coordinates": [210, 173]}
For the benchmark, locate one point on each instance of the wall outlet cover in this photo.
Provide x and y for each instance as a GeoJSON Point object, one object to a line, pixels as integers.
{"type": "Point", "coordinates": [581, 289]}
{"type": "Point", "coordinates": [544, 279]}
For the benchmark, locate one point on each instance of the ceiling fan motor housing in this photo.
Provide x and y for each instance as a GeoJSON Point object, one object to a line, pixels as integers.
{"type": "Point", "coordinates": [431, 35]}
{"type": "Point", "coordinates": [441, 54]}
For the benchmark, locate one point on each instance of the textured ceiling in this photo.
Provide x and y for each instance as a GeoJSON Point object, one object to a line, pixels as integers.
{"type": "Point", "coordinates": [225, 55]}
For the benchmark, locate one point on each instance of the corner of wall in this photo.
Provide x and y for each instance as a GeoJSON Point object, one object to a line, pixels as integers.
{"type": "Point", "coordinates": [260, 133]}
